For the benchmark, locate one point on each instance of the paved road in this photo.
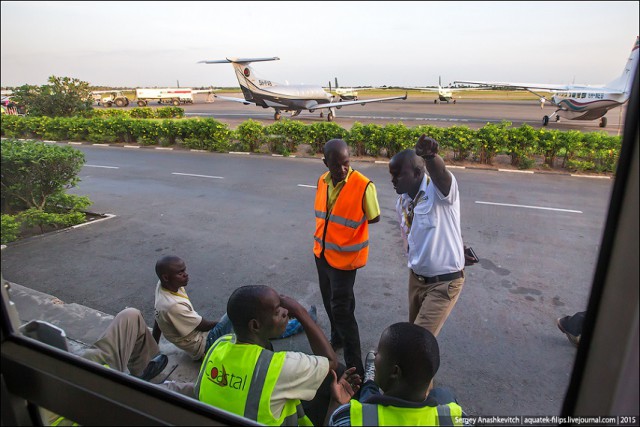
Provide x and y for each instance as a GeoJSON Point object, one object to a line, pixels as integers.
{"type": "Point", "coordinates": [248, 219]}
{"type": "Point", "coordinates": [416, 110]}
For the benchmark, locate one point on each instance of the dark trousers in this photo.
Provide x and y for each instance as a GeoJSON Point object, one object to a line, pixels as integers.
{"type": "Point", "coordinates": [336, 287]}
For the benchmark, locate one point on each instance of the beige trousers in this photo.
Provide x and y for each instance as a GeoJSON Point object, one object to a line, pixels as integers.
{"type": "Point", "coordinates": [127, 343]}
{"type": "Point", "coordinates": [430, 304]}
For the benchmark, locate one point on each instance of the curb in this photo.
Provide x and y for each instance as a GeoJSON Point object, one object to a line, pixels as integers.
{"type": "Point", "coordinates": [311, 157]}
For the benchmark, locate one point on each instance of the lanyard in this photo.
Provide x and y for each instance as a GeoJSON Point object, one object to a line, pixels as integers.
{"type": "Point", "coordinates": [408, 212]}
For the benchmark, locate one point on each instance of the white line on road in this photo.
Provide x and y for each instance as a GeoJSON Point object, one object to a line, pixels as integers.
{"type": "Point", "coordinates": [98, 166]}
{"type": "Point", "coordinates": [528, 207]}
{"type": "Point", "coordinates": [199, 176]}
{"type": "Point", "coordinates": [107, 216]}
{"type": "Point", "coordinates": [307, 186]}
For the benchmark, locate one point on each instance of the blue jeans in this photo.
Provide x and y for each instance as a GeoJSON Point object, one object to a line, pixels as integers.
{"type": "Point", "coordinates": [223, 327]}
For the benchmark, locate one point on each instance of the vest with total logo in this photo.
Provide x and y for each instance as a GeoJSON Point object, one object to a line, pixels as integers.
{"type": "Point", "coordinates": [343, 235]}
{"type": "Point", "coordinates": [240, 378]}
{"type": "Point", "coordinates": [369, 414]}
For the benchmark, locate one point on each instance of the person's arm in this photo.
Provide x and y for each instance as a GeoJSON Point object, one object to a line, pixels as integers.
{"type": "Point", "coordinates": [427, 148]}
{"type": "Point", "coordinates": [342, 391]}
{"type": "Point", "coordinates": [370, 204]}
{"type": "Point", "coordinates": [156, 331]}
{"type": "Point", "coordinates": [317, 340]}
{"type": "Point", "coordinates": [206, 325]}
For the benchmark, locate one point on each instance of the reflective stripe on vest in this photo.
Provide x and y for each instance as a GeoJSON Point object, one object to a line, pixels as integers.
{"type": "Point", "coordinates": [369, 414]}
{"type": "Point", "coordinates": [342, 235]}
{"type": "Point", "coordinates": [225, 372]}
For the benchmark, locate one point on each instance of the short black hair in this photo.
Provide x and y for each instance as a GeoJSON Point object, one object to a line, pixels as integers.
{"type": "Point", "coordinates": [415, 350]}
{"type": "Point", "coordinates": [409, 155]}
{"type": "Point", "coordinates": [245, 304]}
{"type": "Point", "coordinates": [162, 265]}
{"type": "Point", "coordinates": [333, 146]}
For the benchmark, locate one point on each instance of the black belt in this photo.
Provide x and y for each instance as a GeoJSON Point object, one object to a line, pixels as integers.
{"type": "Point", "coordinates": [441, 278]}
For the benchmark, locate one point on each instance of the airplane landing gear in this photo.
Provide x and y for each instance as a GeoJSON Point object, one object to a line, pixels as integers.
{"type": "Point", "coordinates": [277, 115]}
{"type": "Point", "coordinates": [454, 101]}
{"type": "Point", "coordinates": [603, 122]}
{"type": "Point", "coordinates": [321, 114]}
{"type": "Point", "coordinates": [330, 116]}
{"type": "Point", "coordinates": [435, 101]}
{"type": "Point", "coordinates": [545, 120]}
{"type": "Point", "coordinates": [557, 118]}
{"type": "Point", "coordinates": [295, 113]}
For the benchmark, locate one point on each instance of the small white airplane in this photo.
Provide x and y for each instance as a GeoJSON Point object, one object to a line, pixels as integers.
{"type": "Point", "coordinates": [269, 94]}
{"type": "Point", "coordinates": [581, 102]}
{"type": "Point", "coordinates": [345, 93]}
{"type": "Point", "coordinates": [445, 94]}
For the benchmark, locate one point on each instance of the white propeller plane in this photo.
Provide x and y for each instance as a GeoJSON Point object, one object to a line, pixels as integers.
{"type": "Point", "coordinates": [581, 102]}
{"type": "Point", "coordinates": [269, 94]}
{"type": "Point", "coordinates": [445, 94]}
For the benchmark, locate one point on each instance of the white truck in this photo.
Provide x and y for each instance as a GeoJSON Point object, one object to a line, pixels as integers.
{"type": "Point", "coordinates": [175, 96]}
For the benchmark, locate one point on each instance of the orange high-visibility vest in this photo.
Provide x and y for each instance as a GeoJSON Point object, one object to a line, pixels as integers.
{"type": "Point", "coordinates": [343, 234]}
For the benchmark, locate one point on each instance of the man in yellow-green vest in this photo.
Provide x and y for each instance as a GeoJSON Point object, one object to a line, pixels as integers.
{"type": "Point", "coordinates": [242, 374]}
{"type": "Point", "coordinates": [407, 359]}
{"type": "Point", "coordinates": [346, 203]}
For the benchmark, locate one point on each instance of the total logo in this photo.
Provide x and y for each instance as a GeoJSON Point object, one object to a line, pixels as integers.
{"type": "Point", "coordinates": [223, 379]}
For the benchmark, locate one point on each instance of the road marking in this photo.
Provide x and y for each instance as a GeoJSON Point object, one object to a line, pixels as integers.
{"type": "Point", "coordinates": [239, 152]}
{"type": "Point", "coordinates": [591, 176]}
{"type": "Point", "coordinates": [131, 146]}
{"type": "Point", "coordinates": [74, 143]}
{"type": "Point", "coordinates": [528, 207]}
{"type": "Point", "coordinates": [307, 186]}
{"type": "Point", "coordinates": [514, 171]}
{"type": "Point", "coordinates": [99, 166]}
{"type": "Point", "coordinates": [164, 148]}
{"type": "Point", "coordinates": [199, 176]}
{"type": "Point", "coordinates": [107, 216]}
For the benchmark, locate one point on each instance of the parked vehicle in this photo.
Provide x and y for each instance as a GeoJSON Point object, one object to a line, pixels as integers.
{"type": "Point", "coordinates": [174, 96]}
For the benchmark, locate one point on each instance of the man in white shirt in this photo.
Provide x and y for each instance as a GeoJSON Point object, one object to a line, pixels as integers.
{"type": "Point", "coordinates": [428, 209]}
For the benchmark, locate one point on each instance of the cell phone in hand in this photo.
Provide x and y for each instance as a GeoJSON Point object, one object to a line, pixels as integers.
{"type": "Point", "coordinates": [470, 256]}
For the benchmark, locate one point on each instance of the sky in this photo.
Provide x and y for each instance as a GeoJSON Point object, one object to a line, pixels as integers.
{"type": "Point", "coordinates": [156, 44]}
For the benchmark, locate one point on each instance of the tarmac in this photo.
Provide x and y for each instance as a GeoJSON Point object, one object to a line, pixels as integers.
{"type": "Point", "coordinates": [83, 326]}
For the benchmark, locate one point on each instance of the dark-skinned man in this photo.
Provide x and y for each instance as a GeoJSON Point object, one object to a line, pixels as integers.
{"type": "Point", "coordinates": [346, 203]}
{"type": "Point", "coordinates": [428, 209]}
{"type": "Point", "coordinates": [407, 359]}
{"type": "Point", "coordinates": [242, 374]}
{"type": "Point", "coordinates": [175, 316]}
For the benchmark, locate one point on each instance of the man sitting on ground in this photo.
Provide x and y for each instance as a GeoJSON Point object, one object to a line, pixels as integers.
{"type": "Point", "coordinates": [407, 359]}
{"type": "Point", "coordinates": [175, 316]}
{"type": "Point", "coordinates": [242, 374]}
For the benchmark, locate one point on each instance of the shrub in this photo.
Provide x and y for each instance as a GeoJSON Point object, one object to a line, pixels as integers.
{"type": "Point", "coordinates": [10, 229]}
{"type": "Point", "coordinates": [521, 145]}
{"type": "Point", "coordinates": [34, 174]}
{"type": "Point", "coordinates": [250, 135]}
{"type": "Point", "coordinates": [490, 140]}
{"type": "Point", "coordinates": [460, 139]}
{"type": "Point", "coordinates": [319, 133]}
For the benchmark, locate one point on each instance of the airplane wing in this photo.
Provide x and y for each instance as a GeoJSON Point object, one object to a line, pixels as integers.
{"type": "Point", "coordinates": [241, 100]}
{"type": "Point", "coordinates": [361, 102]}
{"type": "Point", "coordinates": [526, 86]}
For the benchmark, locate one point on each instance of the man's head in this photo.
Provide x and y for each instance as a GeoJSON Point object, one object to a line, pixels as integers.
{"type": "Point", "coordinates": [336, 158]}
{"type": "Point", "coordinates": [255, 312]}
{"type": "Point", "coordinates": [172, 272]}
{"type": "Point", "coordinates": [408, 358]}
{"type": "Point", "coordinates": [407, 171]}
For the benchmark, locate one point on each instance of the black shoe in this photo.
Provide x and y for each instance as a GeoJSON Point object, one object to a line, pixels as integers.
{"type": "Point", "coordinates": [155, 366]}
{"type": "Point", "coordinates": [561, 322]}
{"type": "Point", "coordinates": [369, 367]}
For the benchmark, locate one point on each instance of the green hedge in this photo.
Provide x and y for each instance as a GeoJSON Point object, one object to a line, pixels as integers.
{"type": "Point", "coordinates": [578, 151]}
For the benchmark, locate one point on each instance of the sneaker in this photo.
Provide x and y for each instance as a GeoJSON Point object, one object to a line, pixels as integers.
{"type": "Point", "coordinates": [369, 367]}
{"type": "Point", "coordinates": [561, 322]}
{"type": "Point", "coordinates": [155, 366]}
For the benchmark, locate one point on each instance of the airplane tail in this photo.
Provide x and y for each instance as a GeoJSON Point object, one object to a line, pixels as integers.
{"type": "Point", "coordinates": [623, 83]}
{"type": "Point", "coordinates": [246, 76]}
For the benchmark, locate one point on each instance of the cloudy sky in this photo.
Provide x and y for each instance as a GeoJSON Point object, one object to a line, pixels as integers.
{"type": "Point", "coordinates": [140, 44]}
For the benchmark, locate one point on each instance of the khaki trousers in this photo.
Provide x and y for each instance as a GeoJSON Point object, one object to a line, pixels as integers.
{"type": "Point", "coordinates": [431, 303]}
{"type": "Point", "coordinates": [127, 343]}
